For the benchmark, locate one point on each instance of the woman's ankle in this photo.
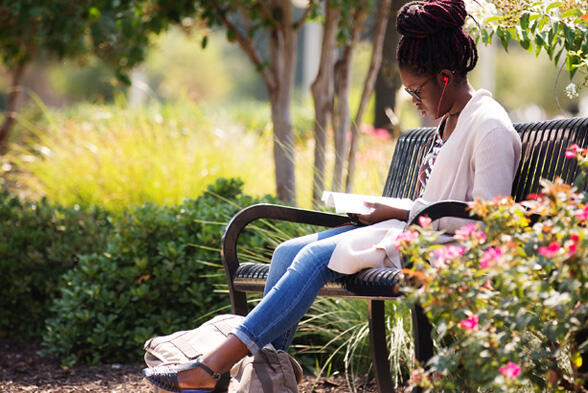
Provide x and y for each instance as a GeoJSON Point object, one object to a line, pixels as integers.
{"type": "Point", "coordinates": [195, 378]}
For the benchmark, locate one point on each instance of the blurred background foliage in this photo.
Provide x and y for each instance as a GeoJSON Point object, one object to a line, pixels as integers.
{"type": "Point", "coordinates": [192, 95]}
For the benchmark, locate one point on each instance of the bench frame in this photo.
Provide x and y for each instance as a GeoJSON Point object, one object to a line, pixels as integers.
{"type": "Point", "coordinates": [544, 144]}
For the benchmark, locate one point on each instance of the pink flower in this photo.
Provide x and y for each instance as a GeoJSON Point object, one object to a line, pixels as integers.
{"type": "Point", "coordinates": [570, 154]}
{"type": "Point", "coordinates": [583, 215]}
{"type": "Point", "coordinates": [551, 250]}
{"type": "Point", "coordinates": [445, 254]}
{"type": "Point", "coordinates": [487, 285]}
{"type": "Point", "coordinates": [574, 148]}
{"type": "Point", "coordinates": [511, 370]}
{"type": "Point", "coordinates": [405, 237]}
{"type": "Point", "coordinates": [572, 248]}
{"type": "Point", "coordinates": [378, 133]}
{"type": "Point", "coordinates": [381, 133]}
{"type": "Point", "coordinates": [416, 377]}
{"type": "Point", "coordinates": [470, 323]}
{"type": "Point", "coordinates": [469, 231]}
{"type": "Point", "coordinates": [490, 256]}
{"type": "Point", "coordinates": [425, 221]}
{"type": "Point", "coordinates": [572, 244]}
{"type": "Point", "coordinates": [534, 196]}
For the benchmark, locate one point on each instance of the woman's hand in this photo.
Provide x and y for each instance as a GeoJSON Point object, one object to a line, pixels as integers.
{"type": "Point", "coordinates": [379, 213]}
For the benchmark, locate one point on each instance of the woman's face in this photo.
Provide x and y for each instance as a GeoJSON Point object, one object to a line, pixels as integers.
{"type": "Point", "coordinates": [424, 90]}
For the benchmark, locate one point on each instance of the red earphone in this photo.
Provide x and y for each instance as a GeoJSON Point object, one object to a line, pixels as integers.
{"type": "Point", "coordinates": [446, 81]}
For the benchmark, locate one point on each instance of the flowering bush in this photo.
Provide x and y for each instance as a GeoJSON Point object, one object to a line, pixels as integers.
{"type": "Point", "coordinates": [509, 297]}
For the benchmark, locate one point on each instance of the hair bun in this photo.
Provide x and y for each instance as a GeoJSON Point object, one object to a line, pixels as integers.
{"type": "Point", "coordinates": [419, 19]}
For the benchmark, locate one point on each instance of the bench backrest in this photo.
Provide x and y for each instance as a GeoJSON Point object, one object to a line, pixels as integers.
{"type": "Point", "coordinates": [542, 157]}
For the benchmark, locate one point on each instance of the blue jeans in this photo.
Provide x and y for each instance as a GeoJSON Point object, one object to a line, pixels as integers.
{"type": "Point", "coordinates": [297, 272]}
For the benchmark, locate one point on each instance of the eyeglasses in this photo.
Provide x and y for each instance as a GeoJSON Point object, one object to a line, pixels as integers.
{"type": "Point", "coordinates": [416, 94]}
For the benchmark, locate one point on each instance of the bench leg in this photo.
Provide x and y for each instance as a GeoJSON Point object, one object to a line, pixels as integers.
{"type": "Point", "coordinates": [378, 345]}
{"type": "Point", "coordinates": [239, 302]}
{"type": "Point", "coordinates": [423, 343]}
{"type": "Point", "coordinates": [583, 370]}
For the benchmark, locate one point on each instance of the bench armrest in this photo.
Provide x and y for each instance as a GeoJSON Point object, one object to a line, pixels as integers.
{"type": "Point", "coordinates": [442, 209]}
{"type": "Point", "coordinates": [268, 211]}
{"type": "Point", "coordinates": [454, 209]}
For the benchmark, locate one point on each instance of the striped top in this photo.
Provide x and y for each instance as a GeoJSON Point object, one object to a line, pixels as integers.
{"type": "Point", "coordinates": [429, 160]}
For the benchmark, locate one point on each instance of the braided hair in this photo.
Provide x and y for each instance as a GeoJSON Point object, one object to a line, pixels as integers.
{"type": "Point", "coordinates": [433, 38]}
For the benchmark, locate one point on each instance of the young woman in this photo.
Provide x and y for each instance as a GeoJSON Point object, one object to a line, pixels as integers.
{"type": "Point", "coordinates": [475, 155]}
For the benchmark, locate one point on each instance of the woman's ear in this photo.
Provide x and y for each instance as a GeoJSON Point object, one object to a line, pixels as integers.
{"type": "Point", "coordinates": [445, 77]}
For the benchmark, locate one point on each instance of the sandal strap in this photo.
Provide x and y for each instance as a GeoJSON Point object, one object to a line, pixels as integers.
{"type": "Point", "coordinates": [198, 363]}
{"type": "Point", "coordinates": [210, 371]}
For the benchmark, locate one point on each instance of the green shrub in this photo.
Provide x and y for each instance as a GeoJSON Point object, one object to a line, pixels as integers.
{"type": "Point", "coordinates": [159, 273]}
{"type": "Point", "coordinates": [38, 243]}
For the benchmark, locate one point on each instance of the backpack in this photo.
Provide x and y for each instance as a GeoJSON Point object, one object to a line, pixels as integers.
{"type": "Point", "coordinates": [269, 371]}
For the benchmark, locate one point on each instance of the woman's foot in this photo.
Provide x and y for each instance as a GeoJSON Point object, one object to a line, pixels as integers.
{"type": "Point", "coordinates": [196, 378]}
{"type": "Point", "coordinates": [202, 374]}
{"type": "Point", "coordinates": [173, 378]}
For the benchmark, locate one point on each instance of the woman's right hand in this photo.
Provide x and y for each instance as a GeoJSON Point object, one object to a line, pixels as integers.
{"type": "Point", "coordinates": [380, 212]}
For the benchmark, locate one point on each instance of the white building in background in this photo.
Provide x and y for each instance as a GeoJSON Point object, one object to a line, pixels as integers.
{"type": "Point", "coordinates": [311, 38]}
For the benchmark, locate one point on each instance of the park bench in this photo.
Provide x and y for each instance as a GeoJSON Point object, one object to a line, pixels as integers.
{"type": "Point", "coordinates": [544, 145]}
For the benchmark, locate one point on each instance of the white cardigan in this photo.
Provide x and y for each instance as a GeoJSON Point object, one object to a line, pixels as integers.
{"type": "Point", "coordinates": [478, 160]}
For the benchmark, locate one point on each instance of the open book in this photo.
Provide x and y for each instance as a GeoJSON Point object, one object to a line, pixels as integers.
{"type": "Point", "coordinates": [354, 203]}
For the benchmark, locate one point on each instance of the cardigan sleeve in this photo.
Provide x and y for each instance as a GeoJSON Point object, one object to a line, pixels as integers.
{"type": "Point", "coordinates": [495, 161]}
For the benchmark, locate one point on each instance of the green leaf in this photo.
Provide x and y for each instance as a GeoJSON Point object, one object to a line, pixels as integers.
{"type": "Point", "coordinates": [526, 44]}
{"type": "Point", "coordinates": [534, 17]}
{"type": "Point", "coordinates": [524, 22]}
{"type": "Point", "coordinates": [551, 6]}
{"type": "Point", "coordinates": [95, 13]}
{"type": "Point", "coordinates": [504, 36]}
{"type": "Point", "coordinates": [539, 42]}
{"type": "Point", "coordinates": [542, 22]}
{"type": "Point", "coordinates": [570, 37]}
{"type": "Point", "coordinates": [557, 56]}
{"type": "Point", "coordinates": [487, 37]}
{"type": "Point", "coordinates": [571, 65]}
{"type": "Point", "coordinates": [571, 13]}
{"type": "Point", "coordinates": [554, 32]}
{"type": "Point", "coordinates": [204, 42]}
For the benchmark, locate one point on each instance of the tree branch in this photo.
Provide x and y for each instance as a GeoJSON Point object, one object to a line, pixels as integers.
{"type": "Point", "coordinates": [268, 14]}
{"type": "Point", "coordinates": [368, 87]}
{"type": "Point", "coordinates": [304, 16]}
{"type": "Point", "coordinates": [247, 45]}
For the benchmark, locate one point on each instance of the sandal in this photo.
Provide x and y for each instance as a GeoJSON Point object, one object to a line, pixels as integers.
{"type": "Point", "coordinates": [166, 377]}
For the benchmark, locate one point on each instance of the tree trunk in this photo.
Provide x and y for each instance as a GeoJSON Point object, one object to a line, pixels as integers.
{"type": "Point", "coordinates": [283, 55]}
{"type": "Point", "coordinates": [10, 113]}
{"type": "Point", "coordinates": [368, 86]}
{"type": "Point", "coordinates": [342, 112]}
{"type": "Point", "coordinates": [278, 75]}
{"type": "Point", "coordinates": [322, 94]}
{"type": "Point", "coordinates": [388, 80]}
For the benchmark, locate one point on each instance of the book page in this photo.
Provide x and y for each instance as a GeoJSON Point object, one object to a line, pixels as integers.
{"type": "Point", "coordinates": [354, 203]}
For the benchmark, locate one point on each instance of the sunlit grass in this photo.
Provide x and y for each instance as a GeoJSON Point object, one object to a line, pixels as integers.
{"type": "Point", "coordinates": [343, 326]}
{"type": "Point", "coordinates": [115, 156]}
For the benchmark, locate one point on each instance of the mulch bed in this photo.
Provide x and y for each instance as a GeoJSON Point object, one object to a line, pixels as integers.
{"type": "Point", "coordinates": [22, 369]}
